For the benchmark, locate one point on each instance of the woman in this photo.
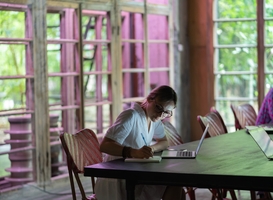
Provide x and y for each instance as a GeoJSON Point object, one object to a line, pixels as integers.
{"type": "Point", "coordinates": [131, 136]}
{"type": "Point", "coordinates": [265, 115]}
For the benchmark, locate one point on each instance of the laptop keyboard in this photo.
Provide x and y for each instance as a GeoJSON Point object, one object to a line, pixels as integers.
{"type": "Point", "coordinates": [184, 153]}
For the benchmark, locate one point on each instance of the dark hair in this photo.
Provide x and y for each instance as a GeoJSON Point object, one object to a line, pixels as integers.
{"type": "Point", "coordinates": [163, 93]}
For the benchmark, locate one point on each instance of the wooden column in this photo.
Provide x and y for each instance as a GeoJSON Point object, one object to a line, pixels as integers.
{"type": "Point", "coordinates": [41, 127]}
{"type": "Point", "coordinates": [200, 62]}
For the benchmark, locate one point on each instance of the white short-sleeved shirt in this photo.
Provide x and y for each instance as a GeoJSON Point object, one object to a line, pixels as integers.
{"type": "Point", "coordinates": [128, 129]}
{"type": "Point", "coordinates": [131, 124]}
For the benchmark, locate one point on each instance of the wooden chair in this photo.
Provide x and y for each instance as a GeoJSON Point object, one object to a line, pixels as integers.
{"type": "Point", "coordinates": [244, 115]}
{"type": "Point", "coordinates": [214, 119]}
{"type": "Point", "coordinates": [174, 139]}
{"type": "Point", "coordinates": [216, 127]}
{"type": "Point", "coordinates": [81, 149]}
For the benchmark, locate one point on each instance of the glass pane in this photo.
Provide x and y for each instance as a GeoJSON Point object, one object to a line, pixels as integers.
{"type": "Point", "coordinates": [132, 54]}
{"type": "Point", "coordinates": [268, 32]}
{"type": "Point", "coordinates": [96, 58]}
{"type": "Point", "coordinates": [268, 82]}
{"type": "Point", "coordinates": [59, 114]}
{"type": "Point", "coordinates": [5, 161]}
{"type": "Point", "coordinates": [236, 9]}
{"type": "Point", "coordinates": [158, 1]}
{"type": "Point", "coordinates": [240, 32]}
{"type": "Point", "coordinates": [96, 87]}
{"type": "Point", "coordinates": [12, 60]}
{"type": "Point", "coordinates": [133, 85]}
{"type": "Point", "coordinates": [98, 118]}
{"type": "Point", "coordinates": [225, 111]}
{"type": "Point", "coordinates": [12, 93]}
{"type": "Point", "coordinates": [12, 24]}
{"type": "Point", "coordinates": [89, 57]}
{"type": "Point", "coordinates": [152, 1]}
{"type": "Point", "coordinates": [269, 60]}
{"type": "Point", "coordinates": [159, 78]}
{"type": "Point", "coordinates": [223, 107]}
{"type": "Point", "coordinates": [130, 20]}
{"type": "Point", "coordinates": [53, 57]}
{"type": "Point", "coordinates": [54, 90]}
{"type": "Point", "coordinates": [158, 27]}
{"type": "Point", "coordinates": [268, 7]}
{"type": "Point", "coordinates": [53, 25]}
{"type": "Point", "coordinates": [236, 86]}
{"type": "Point", "coordinates": [88, 29]}
{"type": "Point", "coordinates": [94, 25]}
{"type": "Point", "coordinates": [159, 55]}
{"type": "Point", "coordinates": [243, 59]}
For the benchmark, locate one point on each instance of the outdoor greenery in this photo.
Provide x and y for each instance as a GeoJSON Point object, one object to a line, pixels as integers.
{"type": "Point", "coordinates": [236, 65]}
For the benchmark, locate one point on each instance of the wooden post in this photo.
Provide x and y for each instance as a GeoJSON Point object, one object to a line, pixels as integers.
{"type": "Point", "coordinates": [41, 127]}
{"type": "Point", "coordinates": [201, 62]}
{"type": "Point", "coordinates": [116, 60]}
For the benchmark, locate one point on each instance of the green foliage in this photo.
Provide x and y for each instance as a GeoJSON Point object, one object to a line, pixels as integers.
{"type": "Point", "coordinates": [12, 24]}
{"type": "Point", "coordinates": [240, 29]}
{"type": "Point", "coordinates": [12, 60]}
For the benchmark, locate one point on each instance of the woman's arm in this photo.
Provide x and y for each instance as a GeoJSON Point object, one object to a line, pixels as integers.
{"type": "Point", "coordinates": [160, 144]}
{"type": "Point", "coordinates": [111, 147]}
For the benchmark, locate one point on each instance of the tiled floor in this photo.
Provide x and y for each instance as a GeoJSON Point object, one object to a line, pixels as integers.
{"type": "Point", "coordinates": [204, 194]}
{"type": "Point", "coordinates": [60, 190]}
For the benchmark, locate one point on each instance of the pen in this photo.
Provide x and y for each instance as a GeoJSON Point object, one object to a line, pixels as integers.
{"type": "Point", "coordinates": [144, 139]}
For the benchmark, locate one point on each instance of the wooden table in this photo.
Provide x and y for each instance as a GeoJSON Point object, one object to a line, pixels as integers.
{"type": "Point", "coordinates": [231, 160]}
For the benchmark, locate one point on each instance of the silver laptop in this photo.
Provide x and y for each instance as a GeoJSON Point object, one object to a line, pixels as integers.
{"type": "Point", "coordinates": [263, 141]}
{"type": "Point", "coordinates": [185, 153]}
{"type": "Point", "coordinates": [267, 127]}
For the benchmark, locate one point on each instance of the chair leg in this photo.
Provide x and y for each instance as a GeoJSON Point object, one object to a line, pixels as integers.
{"type": "Point", "coordinates": [214, 194]}
{"type": "Point", "coordinates": [191, 193]}
{"type": "Point", "coordinates": [93, 184]}
{"type": "Point", "coordinates": [76, 175]}
{"type": "Point", "coordinates": [268, 195]}
{"type": "Point", "coordinates": [219, 194]}
{"type": "Point", "coordinates": [71, 180]}
{"type": "Point", "coordinates": [233, 195]}
{"type": "Point", "coordinates": [224, 192]}
{"type": "Point", "coordinates": [253, 195]}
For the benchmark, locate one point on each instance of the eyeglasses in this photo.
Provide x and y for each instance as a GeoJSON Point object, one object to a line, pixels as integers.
{"type": "Point", "coordinates": [164, 113]}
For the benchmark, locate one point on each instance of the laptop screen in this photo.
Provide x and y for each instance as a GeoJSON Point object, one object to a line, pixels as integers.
{"type": "Point", "coordinates": [202, 138]}
{"type": "Point", "coordinates": [263, 140]}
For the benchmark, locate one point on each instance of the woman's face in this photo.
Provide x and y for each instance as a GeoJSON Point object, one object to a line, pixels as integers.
{"type": "Point", "coordinates": [159, 110]}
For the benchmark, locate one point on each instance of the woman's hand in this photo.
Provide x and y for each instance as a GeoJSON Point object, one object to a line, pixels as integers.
{"type": "Point", "coordinates": [144, 152]}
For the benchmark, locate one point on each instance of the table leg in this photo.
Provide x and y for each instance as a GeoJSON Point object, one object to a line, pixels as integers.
{"type": "Point", "coordinates": [130, 189]}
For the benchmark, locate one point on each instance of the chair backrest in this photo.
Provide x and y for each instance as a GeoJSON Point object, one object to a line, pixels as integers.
{"type": "Point", "coordinates": [82, 149]}
{"type": "Point", "coordinates": [245, 115]}
{"type": "Point", "coordinates": [215, 121]}
{"type": "Point", "coordinates": [172, 135]}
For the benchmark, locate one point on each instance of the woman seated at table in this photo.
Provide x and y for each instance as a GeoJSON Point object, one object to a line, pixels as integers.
{"type": "Point", "coordinates": [265, 115]}
{"type": "Point", "coordinates": [131, 136]}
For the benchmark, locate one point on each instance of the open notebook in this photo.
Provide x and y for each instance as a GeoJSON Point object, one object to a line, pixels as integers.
{"type": "Point", "coordinates": [183, 153]}
{"type": "Point", "coordinates": [154, 159]}
{"type": "Point", "coordinates": [263, 141]}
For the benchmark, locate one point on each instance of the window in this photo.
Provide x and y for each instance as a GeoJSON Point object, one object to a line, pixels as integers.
{"type": "Point", "coordinates": [238, 54]}
{"type": "Point", "coordinates": [97, 62]}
